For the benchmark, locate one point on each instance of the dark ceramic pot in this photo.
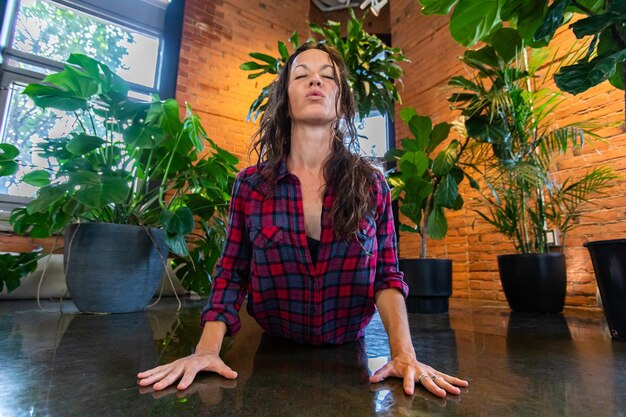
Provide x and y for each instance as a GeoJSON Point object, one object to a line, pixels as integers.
{"type": "Point", "coordinates": [534, 282]}
{"type": "Point", "coordinates": [430, 284]}
{"type": "Point", "coordinates": [113, 268]}
{"type": "Point", "coordinates": [609, 263]}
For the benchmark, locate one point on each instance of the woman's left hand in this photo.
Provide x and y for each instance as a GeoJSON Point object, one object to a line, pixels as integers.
{"type": "Point", "coordinates": [407, 367]}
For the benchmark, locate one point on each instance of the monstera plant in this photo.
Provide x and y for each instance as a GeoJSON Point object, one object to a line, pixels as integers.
{"type": "Point", "coordinates": [126, 162]}
{"type": "Point", "coordinates": [372, 66]}
{"type": "Point", "coordinates": [598, 24]}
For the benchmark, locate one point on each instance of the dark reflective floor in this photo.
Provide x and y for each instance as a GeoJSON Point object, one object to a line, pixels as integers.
{"type": "Point", "coordinates": [517, 365]}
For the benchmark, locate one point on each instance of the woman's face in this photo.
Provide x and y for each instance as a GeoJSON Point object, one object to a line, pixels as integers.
{"type": "Point", "coordinates": [312, 88]}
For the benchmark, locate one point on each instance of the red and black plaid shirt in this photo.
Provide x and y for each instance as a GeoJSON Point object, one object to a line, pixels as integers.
{"type": "Point", "coordinates": [266, 257]}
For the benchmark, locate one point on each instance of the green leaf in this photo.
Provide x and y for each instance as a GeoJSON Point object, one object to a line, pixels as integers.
{"type": "Point", "coordinates": [472, 20]}
{"type": "Point", "coordinates": [177, 244]}
{"type": "Point", "coordinates": [409, 229]}
{"type": "Point", "coordinates": [8, 168]}
{"type": "Point", "coordinates": [421, 127]}
{"type": "Point", "coordinates": [437, 6]}
{"type": "Point", "coordinates": [439, 134]}
{"type": "Point", "coordinates": [407, 113]}
{"type": "Point", "coordinates": [8, 152]}
{"type": "Point", "coordinates": [81, 144]}
{"type": "Point", "coordinates": [294, 40]}
{"type": "Point", "coordinates": [263, 57]}
{"type": "Point", "coordinates": [595, 24]}
{"type": "Point", "coordinates": [413, 164]}
{"type": "Point", "coordinates": [581, 76]}
{"type": "Point", "coordinates": [170, 117]}
{"type": "Point", "coordinates": [446, 159]}
{"type": "Point", "coordinates": [140, 136]}
{"type": "Point", "coordinates": [46, 196]}
{"type": "Point", "coordinates": [608, 44]}
{"type": "Point", "coordinates": [38, 178]}
{"type": "Point", "coordinates": [553, 20]}
{"type": "Point", "coordinates": [46, 96]}
{"type": "Point", "coordinates": [251, 66]}
{"type": "Point", "coordinates": [437, 223]}
{"type": "Point", "coordinates": [97, 191]}
{"type": "Point", "coordinates": [179, 221]}
{"type": "Point", "coordinates": [282, 49]}
{"type": "Point", "coordinates": [447, 192]}
{"type": "Point", "coordinates": [507, 43]}
{"type": "Point", "coordinates": [485, 56]}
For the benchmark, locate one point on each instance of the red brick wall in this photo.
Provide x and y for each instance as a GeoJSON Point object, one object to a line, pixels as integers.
{"type": "Point", "coordinates": [471, 242]}
{"type": "Point", "coordinates": [217, 37]}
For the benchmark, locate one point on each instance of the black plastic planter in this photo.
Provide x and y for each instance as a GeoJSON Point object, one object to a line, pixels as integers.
{"type": "Point", "coordinates": [430, 284]}
{"type": "Point", "coordinates": [113, 268]}
{"type": "Point", "coordinates": [609, 263]}
{"type": "Point", "coordinates": [534, 282]}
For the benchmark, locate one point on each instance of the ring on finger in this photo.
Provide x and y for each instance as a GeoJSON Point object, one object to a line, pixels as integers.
{"type": "Point", "coordinates": [419, 380]}
{"type": "Point", "coordinates": [434, 377]}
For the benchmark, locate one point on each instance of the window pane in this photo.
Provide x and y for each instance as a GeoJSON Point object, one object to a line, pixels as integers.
{"type": "Point", "coordinates": [374, 142]}
{"type": "Point", "coordinates": [54, 32]}
{"type": "Point", "coordinates": [25, 126]}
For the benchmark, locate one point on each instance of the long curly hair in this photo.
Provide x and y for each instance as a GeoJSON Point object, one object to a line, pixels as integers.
{"type": "Point", "coordinates": [345, 169]}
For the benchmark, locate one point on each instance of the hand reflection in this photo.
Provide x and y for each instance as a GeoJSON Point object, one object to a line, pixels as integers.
{"type": "Point", "coordinates": [209, 389]}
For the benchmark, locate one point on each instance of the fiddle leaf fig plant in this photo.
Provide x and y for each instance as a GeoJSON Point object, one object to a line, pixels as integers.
{"type": "Point", "coordinates": [372, 66]}
{"type": "Point", "coordinates": [426, 181]}
{"type": "Point", "coordinates": [600, 29]}
{"type": "Point", "coordinates": [127, 162]}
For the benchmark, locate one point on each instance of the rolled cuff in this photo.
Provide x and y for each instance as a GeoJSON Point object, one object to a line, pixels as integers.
{"type": "Point", "coordinates": [232, 322]}
{"type": "Point", "coordinates": [397, 283]}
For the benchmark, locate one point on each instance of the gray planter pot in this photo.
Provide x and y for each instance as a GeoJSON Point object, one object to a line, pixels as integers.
{"type": "Point", "coordinates": [430, 284]}
{"type": "Point", "coordinates": [113, 268]}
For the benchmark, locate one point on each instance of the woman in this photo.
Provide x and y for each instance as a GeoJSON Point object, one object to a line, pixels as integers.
{"type": "Point", "coordinates": [311, 239]}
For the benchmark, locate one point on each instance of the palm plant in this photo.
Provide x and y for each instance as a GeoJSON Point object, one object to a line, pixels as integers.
{"type": "Point", "coordinates": [507, 109]}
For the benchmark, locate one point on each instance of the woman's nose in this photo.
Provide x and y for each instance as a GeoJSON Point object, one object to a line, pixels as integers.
{"type": "Point", "coordinates": [315, 81]}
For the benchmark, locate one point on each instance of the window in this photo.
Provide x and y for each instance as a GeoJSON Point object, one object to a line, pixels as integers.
{"type": "Point", "coordinates": [129, 36]}
{"type": "Point", "coordinates": [376, 138]}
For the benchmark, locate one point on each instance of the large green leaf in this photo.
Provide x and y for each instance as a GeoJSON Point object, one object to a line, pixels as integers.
{"type": "Point", "coordinates": [421, 127]}
{"type": "Point", "coordinates": [608, 44]}
{"type": "Point", "coordinates": [447, 192]}
{"type": "Point", "coordinates": [179, 221]}
{"type": "Point", "coordinates": [472, 20]}
{"type": "Point", "coordinates": [142, 136]}
{"type": "Point", "coordinates": [437, 223]}
{"type": "Point", "coordinates": [507, 43]}
{"type": "Point", "coordinates": [8, 165]}
{"type": "Point", "coordinates": [413, 164]}
{"type": "Point", "coordinates": [595, 24]}
{"type": "Point", "coordinates": [437, 6]}
{"type": "Point", "coordinates": [553, 20]}
{"type": "Point", "coordinates": [177, 244]}
{"type": "Point", "coordinates": [95, 190]}
{"type": "Point", "coordinates": [581, 76]}
{"type": "Point", "coordinates": [446, 159]}
{"type": "Point", "coordinates": [39, 178]}
{"type": "Point", "coordinates": [46, 196]}
{"type": "Point", "coordinates": [439, 134]}
{"type": "Point", "coordinates": [81, 144]}
{"type": "Point", "coordinates": [45, 96]}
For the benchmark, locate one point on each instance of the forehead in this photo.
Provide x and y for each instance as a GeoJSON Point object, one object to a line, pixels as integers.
{"type": "Point", "coordinates": [312, 58]}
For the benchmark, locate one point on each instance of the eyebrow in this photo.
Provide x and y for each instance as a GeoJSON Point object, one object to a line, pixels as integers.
{"type": "Point", "coordinates": [305, 66]}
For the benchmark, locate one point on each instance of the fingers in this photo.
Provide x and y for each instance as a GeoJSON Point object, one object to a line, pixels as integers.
{"type": "Point", "coordinates": [409, 381]}
{"type": "Point", "coordinates": [225, 371]}
{"type": "Point", "coordinates": [382, 373]}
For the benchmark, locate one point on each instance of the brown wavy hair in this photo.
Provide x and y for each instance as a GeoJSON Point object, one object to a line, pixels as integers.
{"type": "Point", "coordinates": [345, 169]}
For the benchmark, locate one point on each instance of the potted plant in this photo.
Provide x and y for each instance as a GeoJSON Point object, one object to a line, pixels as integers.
{"type": "Point", "coordinates": [132, 173]}
{"type": "Point", "coordinates": [507, 112]}
{"type": "Point", "coordinates": [372, 66]}
{"type": "Point", "coordinates": [426, 183]}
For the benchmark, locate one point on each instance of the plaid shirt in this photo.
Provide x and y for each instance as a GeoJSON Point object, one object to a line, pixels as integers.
{"type": "Point", "coordinates": [266, 257]}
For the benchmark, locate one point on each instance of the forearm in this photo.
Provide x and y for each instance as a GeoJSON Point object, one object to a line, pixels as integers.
{"type": "Point", "coordinates": [392, 310]}
{"type": "Point", "coordinates": [212, 337]}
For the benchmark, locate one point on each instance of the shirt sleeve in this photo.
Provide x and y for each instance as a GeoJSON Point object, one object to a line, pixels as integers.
{"type": "Point", "coordinates": [230, 281]}
{"type": "Point", "coordinates": [387, 273]}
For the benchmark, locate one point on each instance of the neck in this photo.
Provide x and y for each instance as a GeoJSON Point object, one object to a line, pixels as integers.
{"type": "Point", "coordinates": [310, 147]}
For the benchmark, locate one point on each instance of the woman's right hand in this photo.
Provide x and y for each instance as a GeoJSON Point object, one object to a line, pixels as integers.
{"type": "Point", "coordinates": [185, 370]}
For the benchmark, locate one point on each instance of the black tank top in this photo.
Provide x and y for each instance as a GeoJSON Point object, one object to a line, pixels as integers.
{"type": "Point", "coordinates": [314, 246]}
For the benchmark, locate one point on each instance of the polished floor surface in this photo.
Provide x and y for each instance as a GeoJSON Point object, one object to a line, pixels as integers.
{"type": "Point", "coordinates": [517, 364]}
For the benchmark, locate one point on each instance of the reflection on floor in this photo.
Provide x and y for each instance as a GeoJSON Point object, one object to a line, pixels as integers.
{"type": "Point", "coordinates": [517, 365]}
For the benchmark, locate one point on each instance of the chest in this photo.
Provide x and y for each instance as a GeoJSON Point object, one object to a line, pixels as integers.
{"type": "Point", "coordinates": [312, 192]}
